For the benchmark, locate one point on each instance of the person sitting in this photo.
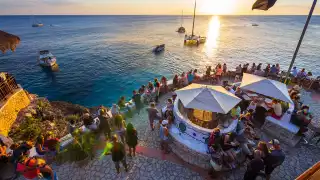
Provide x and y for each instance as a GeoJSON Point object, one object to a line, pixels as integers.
{"type": "Point", "coordinates": [218, 73]}
{"type": "Point", "coordinates": [302, 74]}
{"type": "Point", "coordinates": [228, 146]}
{"type": "Point", "coordinates": [303, 119]}
{"type": "Point", "coordinates": [190, 77]}
{"type": "Point", "coordinates": [150, 87]}
{"type": "Point", "coordinates": [273, 70]}
{"type": "Point", "coordinates": [40, 149]}
{"type": "Point", "coordinates": [235, 112]}
{"type": "Point", "coordinates": [238, 92]}
{"type": "Point", "coordinates": [229, 89]}
{"type": "Point", "coordinates": [278, 68]}
{"type": "Point", "coordinates": [3, 152]}
{"type": "Point", "coordinates": [32, 168]}
{"type": "Point", "coordinates": [89, 122]}
{"type": "Point", "coordinates": [245, 68]}
{"type": "Point", "coordinates": [276, 109]}
{"type": "Point", "coordinates": [195, 75]}
{"type": "Point", "coordinates": [208, 71]}
{"type": "Point", "coordinates": [294, 90]}
{"type": "Point", "coordinates": [142, 89]}
{"type": "Point", "coordinates": [175, 82]}
{"type": "Point", "coordinates": [297, 103]}
{"type": "Point", "coordinates": [260, 113]}
{"type": "Point", "coordinates": [164, 85]}
{"type": "Point", "coordinates": [263, 147]}
{"type": "Point", "coordinates": [183, 80]}
{"type": "Point", "coordinates": [254, 167]}
{"type": "Point", "coordinates": [294, 72]}
{"type": "Point", "coordinates": [224, 68]}
{"type": "Point", "coordinates": [253, 104]}
{"type": "Point", "coordinates": [122, 102]}
{"type": "Point", "coordinates": [239, 70]}
{"type": "Point", "coordinates": [267, 70]}
{"type": "Point", "coordinates": [253, 68]}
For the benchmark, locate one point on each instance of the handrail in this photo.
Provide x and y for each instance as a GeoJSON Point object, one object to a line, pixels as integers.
{"type": "Point", "coordinates": [7, 87]}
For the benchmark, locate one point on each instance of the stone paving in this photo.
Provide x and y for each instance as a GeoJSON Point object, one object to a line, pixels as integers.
{"type": "Point", "coordinates": [297, 160]}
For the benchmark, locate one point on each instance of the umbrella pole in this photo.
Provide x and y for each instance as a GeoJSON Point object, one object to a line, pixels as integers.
{"type": "Point", "coordinates": [300, 40]}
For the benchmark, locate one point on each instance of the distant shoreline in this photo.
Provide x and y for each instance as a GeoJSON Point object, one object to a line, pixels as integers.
{"type": "Point", "coordinates": [152, 15]}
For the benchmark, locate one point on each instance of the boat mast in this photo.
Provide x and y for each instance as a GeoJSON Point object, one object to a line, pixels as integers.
{"type": "Point", "coordinates": [194, 15]}
{"type": "Point", "coordinates": [181, 19]}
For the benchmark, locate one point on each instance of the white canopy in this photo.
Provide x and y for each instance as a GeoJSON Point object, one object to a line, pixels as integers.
{"type": "Point", "coordinates": [209, 98]}
{"type": "Point", "coordinates": [264, 86]}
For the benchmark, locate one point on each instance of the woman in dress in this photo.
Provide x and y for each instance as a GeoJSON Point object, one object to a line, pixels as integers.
{"type": "Point", "coordinates": [132, 139]}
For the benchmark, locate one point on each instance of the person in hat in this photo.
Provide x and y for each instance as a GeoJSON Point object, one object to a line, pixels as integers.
{"type": "Point", "coordinates": [153, 114]}
{"type": "Point", "coordinates": [164, 136]}
{"type": "Point", "coordinates": [131, 139]}
{"type": "Point", "coordinates": [118, 154]}
{"type": "Point", "coordinates": [274, 159]}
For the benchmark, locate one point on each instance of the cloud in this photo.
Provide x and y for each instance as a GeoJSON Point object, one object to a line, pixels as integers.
{"type": "Point", "coordinates": [61, 2]}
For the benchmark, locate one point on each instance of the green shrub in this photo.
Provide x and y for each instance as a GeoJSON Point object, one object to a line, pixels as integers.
{"type": "Point", "coordinates": [74, 117]}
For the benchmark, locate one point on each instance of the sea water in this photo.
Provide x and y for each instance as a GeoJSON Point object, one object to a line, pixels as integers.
{"type": "Point", "coordinates": [103, 57]}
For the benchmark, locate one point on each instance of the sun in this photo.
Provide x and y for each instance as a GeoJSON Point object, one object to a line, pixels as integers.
{"type": "Point", "coordinates": [217, 7]}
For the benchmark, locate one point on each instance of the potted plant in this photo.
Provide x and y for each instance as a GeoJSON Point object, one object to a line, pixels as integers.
{"type": "Point", "coordinates": [81, 150]}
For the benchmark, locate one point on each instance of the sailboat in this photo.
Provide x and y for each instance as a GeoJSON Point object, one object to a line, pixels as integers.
{"type": "Point", "coordinates": [35, 23]}
{"type": "Point", "coordinates": [193, 39]}
{"type": "Point", "coordinates": [181, 28]}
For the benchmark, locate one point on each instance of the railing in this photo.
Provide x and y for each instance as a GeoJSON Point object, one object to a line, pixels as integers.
{"type": "Point", "coordinates": [7, 87]}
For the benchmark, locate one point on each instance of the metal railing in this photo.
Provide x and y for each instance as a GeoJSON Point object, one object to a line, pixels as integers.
{"type": "Point", "coordinates": [7, 87]}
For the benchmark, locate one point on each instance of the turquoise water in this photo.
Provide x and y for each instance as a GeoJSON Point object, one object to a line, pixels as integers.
{"type": "Point", "coordinates": [103, 57]}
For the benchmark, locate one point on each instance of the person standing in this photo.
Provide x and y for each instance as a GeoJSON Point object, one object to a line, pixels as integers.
{"type": "Point", "coordinates": [254, 167]}
{"type": "Point", "coordinates": [164, 136]}
{"type": "Point", "coordinates": [120, 127]}
{"type": "Point", "coordinates": [132, 139]}
{"type": "Point", "coordinates": [274, 159]}
{"type": "Point", "coordinates": [224, 68]}
{"type": "Point", "coordinates": [118, 154]}
{"type": "Point", "coordinates": [104, 126]}
{"type": "Point", "coordinates": [157, 89]}
{"type": "Point", "coordinates": [153, 114]}
{"type": "Point", "coordinates": [136, 98]}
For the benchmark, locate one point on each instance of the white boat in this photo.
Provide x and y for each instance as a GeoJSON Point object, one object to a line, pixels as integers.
{"type": "Point", "coordinates": [35, 23]}
{"type": "Point", "coordinates": [181, 28]}
{"type": "Point", "coordinates": [46, 58]}
{"type": "Point", "coordinates": [192, 39]}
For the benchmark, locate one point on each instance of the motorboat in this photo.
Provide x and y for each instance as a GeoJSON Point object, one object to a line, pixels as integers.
{"type": "Point", "coordinates": [191, 40]}
{"type": "Point", "coordinates": [47, 59]}
{"type": "Point", "coordinates": [254, 24]}
{"type": "Point", "coordinates": [181, 28]}
{"type": "Point", "coordinates": [159, 48]}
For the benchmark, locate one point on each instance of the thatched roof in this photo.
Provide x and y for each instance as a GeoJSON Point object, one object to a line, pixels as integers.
{"type": "Point", "coordinates": [8, 41]}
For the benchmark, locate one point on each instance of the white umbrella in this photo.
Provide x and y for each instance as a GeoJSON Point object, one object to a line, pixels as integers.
{"type": "Point", "coordinates": [264, 86]}
{"type": "Point", "coordinates": [209, 98]}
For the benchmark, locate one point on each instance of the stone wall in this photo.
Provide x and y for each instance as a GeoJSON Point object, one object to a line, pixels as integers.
{"type": "Point", "coordinates": [11, 108]}
{"type": "Point", "coordinates": [189, 155]}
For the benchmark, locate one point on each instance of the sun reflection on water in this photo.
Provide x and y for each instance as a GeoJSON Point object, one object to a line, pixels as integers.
{"type": "Point", "coordinates": [212, 36]}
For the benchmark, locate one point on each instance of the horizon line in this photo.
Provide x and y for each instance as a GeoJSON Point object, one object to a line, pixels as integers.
{"type": "Point", "coordinates": [156, 15]}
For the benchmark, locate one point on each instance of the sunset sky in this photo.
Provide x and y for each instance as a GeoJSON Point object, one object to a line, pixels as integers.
{"type": "Point", "coordinates": [149, 7]}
